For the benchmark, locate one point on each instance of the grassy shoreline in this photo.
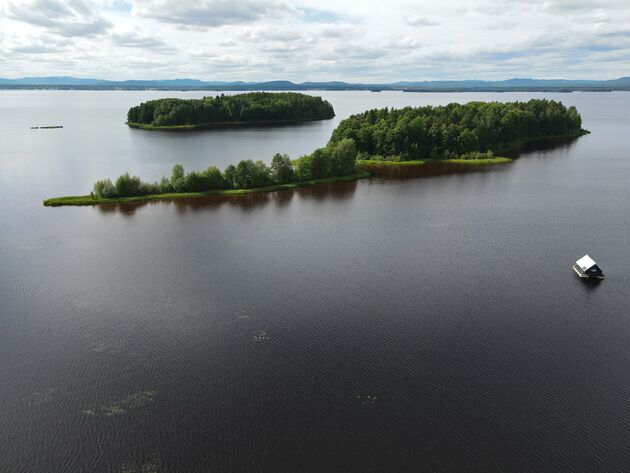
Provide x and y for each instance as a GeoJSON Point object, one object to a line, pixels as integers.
{"type": "Point", "coordinates": [474, 162]}
{"type": "Point", "coordinates": [514, 147]}
{"type": "Point", "coordinates": [82, 200]}
{"type": "Point", "coordinates": [221, 125]}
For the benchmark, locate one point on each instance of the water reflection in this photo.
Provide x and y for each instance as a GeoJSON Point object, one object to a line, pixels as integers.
{"type": "Point", "coordinates": [432, 170]}
{"type": "Point", "coordinates": [590, 286]}
{"type": "Point", "coordinates": [338, 190]}
{"type": "Point", "coordinates": [549, 144]}
{"type": "Point", "coordinates": [248, 202]}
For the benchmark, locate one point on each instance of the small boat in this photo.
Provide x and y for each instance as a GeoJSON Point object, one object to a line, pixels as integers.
{"type": "Point", "coordinates": [586, 268]}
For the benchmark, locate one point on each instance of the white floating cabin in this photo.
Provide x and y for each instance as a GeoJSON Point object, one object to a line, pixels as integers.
{"type": "Point", "coordinates": [585, 267]}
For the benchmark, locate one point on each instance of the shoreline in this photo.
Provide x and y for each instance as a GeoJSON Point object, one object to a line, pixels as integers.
{"type": "Point", "coordinates": [478, 162]}
{"type": "Point", "coordinates": [515, 147]}
{"type": "Point", "coordinates": [222, 125]}
{"type": "Point", "coordinates": [85, 200]}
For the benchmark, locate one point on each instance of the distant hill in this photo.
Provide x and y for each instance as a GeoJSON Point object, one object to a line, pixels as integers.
{"type": "Point", "coordinates": [516, 84]}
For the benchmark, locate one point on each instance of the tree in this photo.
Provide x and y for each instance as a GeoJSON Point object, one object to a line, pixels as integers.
{"type": "Point", "coordinates": [178, 178]}
{"type": "Point", "coordinates": [213, 179]}
{"type": "Point", "coordinates": [261, 175]}
{"type": "Point", "coordinates": [282, 169]}
{"type": "Point", "coordinates": [127, 185]}
{"type": "Point", "coordinates": [229, 176]}
{"type": "Point", "coordinates": [343, 157]}
{"type": "Point", "coordinates": [304, 168]}
{"type": "Point", "coordinates": [104, 189]}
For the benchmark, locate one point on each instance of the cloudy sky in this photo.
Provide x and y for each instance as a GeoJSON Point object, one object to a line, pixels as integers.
{"type": "Point", "coordinates": [303, 40]}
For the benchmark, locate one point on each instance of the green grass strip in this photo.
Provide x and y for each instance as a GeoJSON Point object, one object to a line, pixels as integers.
{"type": "Point", "coordinates": [475, 162]}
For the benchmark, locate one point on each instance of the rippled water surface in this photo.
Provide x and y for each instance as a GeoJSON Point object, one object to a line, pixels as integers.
{"type": "Point", "coordinates": [430, 323]}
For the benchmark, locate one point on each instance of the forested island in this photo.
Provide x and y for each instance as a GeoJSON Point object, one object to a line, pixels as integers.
{"type": "Point", "coordinates": [455, 134]}
{"type": "Point", "coordinates": [456, 131]}
{"type": "Point", "coordinates": [223, 111]}
{"type": "Point", "coordinates": [333, 163]}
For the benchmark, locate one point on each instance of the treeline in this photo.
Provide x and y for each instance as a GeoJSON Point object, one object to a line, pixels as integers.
{"type": "Point", "coordinates": [336, 159]}
{"type": "Point", "coordinates": [250, 107]}
{"type": "Point", "coordinates": [455, 130]}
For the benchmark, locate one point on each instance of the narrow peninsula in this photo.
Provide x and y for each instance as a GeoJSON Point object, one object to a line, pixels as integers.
{"type": "Point", "coordinates": [470, 134]}
{"type": "Point", "coordinates": [229, 111]}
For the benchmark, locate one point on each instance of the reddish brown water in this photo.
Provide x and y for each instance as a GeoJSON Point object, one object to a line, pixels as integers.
{"type": "Point", "coordinates": [431, 323]}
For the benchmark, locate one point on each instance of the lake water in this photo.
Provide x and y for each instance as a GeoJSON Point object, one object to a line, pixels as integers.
{"type": "Point", "coordinates": [423, 324]}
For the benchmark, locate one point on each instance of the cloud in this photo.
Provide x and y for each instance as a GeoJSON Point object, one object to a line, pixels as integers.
{"type": "Point", "coordinates": [41, 45]}
{"type": "Point", "coordinates": [70, 18]}
{"type": "Point", "coordinates": [311, 15]}
{"type": "Point", "coordinates": [302, 40]}
{"type": "Point", "coordinates": [419, 21]}
{"type": "Point", "coordinates": [209, 13]}
{"type": "Point", "coordinates": [135, 40]}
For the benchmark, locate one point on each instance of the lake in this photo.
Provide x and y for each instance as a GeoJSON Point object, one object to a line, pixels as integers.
{"type": "Point", "coordinates": [420, 323]}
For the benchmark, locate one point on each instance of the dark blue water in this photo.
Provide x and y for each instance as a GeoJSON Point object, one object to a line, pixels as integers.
{"type": "Point", "coordinates": [427, 324]}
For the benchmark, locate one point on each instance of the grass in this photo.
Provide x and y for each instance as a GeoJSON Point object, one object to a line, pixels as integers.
{"type": "Point", "coordinates": [218, 125]}
{"type": "Point", "coordinates": [477, 162]}
{"type": "Point", "coordinates": [385, 164]}
{"type": "Point", "coordinates": [495, 160]}
{"type": "Point", "coordinates": [89, 200]}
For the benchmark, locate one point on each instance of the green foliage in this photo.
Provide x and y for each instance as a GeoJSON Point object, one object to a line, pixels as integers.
{"type": "Point", "coordinates": [447, 132]}
{"type": "Point", "coordinates": [241, 108]}
{"type": "Point", "coordinates": [128, 185]}
{"type": "Point", "coordinates": [213, 178]}
{"type": "Point", "coordinates": [104, 189]}
{"type": "Point", "coordinates": [282, 169]}
{"type": "Point", "coordinates": [334, 160]}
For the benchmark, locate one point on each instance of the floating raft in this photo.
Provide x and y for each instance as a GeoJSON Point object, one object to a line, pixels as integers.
{"type": "Point", "coordinates": [586, 268]}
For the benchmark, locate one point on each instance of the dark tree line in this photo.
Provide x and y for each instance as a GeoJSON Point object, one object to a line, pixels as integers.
{"type": "Point", "coordinates": [455, 130]}
{"type": "Point", "coordinates": [250, 107]}
{"type": "Point", "coordinates": [336, 159]}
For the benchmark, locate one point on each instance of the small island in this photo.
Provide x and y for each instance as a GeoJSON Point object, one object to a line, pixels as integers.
{"type": "Point", "coordinates": [474, 132]}
{"type": "Point", "coordinates": [453, 134]}
{"type": "Point", "coordinates": [227, 111]}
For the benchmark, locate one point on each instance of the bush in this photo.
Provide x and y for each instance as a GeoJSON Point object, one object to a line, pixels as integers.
{"type": "Point", "coordinates": [282, 169]}
{"type": "Point", "coordinates": [214, 179]}
{"type": "Point", "coordinates": [104, 189]}
{"type": "Point", "coordinates": [127, 185]}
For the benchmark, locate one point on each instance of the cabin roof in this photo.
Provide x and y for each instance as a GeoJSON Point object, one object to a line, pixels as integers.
{"type": "Point", "coordinates": [585, 262]}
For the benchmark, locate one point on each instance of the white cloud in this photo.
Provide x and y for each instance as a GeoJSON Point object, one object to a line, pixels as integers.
{"type": "Point", "coordinates": [419, 21]}
{"type": "Point", "coordinates": [67, 18]}
{"type": "Point", "coordinates": [315, 40]}
{"type": "Point", "coordinates": [208, 13]}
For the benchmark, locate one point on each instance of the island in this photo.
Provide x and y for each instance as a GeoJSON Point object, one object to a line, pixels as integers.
{"type": "Point", "coordinates": [453, 134]}
{"type": "Point", "coordinates": [457, 133]}
{"type": "Point", "coordinates": [226, 111]}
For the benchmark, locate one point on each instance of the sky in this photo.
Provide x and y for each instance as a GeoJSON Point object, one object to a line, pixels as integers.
{"type": "Point", "coordinates": [315, 40]}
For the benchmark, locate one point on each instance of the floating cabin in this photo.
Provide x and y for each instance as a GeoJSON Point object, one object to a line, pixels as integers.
{"type": "Point", "coordinates": [585, 267]}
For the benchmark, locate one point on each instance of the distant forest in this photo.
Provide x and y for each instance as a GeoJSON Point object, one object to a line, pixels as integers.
{"type": "Point", "coordinates": [455, 130]}
{"type": "Point", "coordinates": [241, 108]}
